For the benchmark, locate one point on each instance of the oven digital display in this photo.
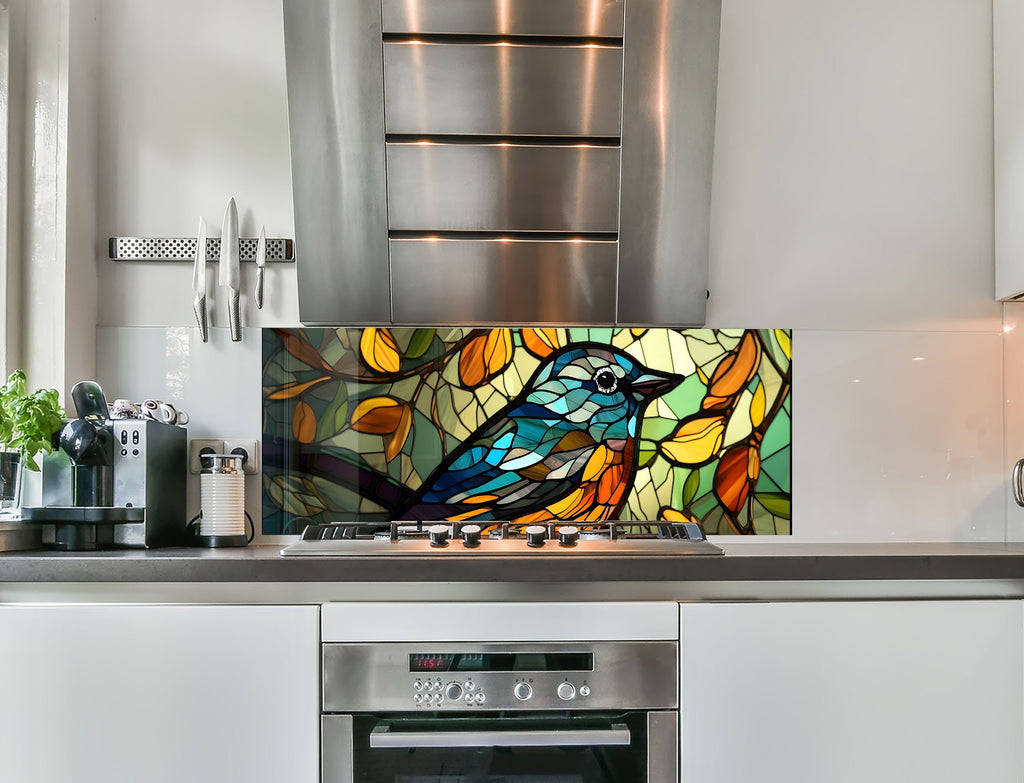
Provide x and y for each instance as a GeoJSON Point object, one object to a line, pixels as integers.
{"type": "Point", "coordinates": [502, 662]}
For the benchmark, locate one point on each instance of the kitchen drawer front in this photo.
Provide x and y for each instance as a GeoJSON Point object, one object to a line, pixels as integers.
{"type": "Point", "coordinates": [502, 281]}
{"type": "Point", "coordinates": [502, 89]}
{"type": "Point", "coordinates": [602, 18]}
{"type": "Point", "coordinates": [502, 187]}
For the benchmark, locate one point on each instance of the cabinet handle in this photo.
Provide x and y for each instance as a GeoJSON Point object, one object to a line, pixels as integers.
{"type": "Point", "coordinates": [382, 737]}
{"type": "Point", "coordinates": [1018, 482]}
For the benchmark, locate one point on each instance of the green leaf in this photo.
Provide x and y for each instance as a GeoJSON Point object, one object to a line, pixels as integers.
{"type": "Point", "coordinates": [28, 422]}
{"type": "Point", "coordinates": [420, 342]}
{"type": "Point", "coordinates": [335, 415]}
{"type": "Point", "coordinates": [778, 504]}
{"type": "Point", "coordinates": [690, 487]}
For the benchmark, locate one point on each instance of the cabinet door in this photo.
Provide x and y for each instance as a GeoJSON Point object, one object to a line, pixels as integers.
{"type": "Point", "coordinates": [1008, 120]}
{"type": "Point", "coordinates": [159, 694]}
{"type": "Point", "coordinates": [858, 692]}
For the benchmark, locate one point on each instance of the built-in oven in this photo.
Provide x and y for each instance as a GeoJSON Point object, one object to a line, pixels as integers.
{"type": "Point", "coordinates": [500, 712]}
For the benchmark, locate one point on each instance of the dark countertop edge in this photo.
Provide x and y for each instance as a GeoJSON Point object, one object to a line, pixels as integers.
{"type": "Point", "coordinates": [742, 563]}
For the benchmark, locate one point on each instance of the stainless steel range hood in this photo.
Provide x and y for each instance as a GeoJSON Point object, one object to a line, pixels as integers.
{"type": "Point", "coordinates": [502, 161]}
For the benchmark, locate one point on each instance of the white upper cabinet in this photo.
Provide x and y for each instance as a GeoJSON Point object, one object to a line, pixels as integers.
{"type": "Point", "coordinates": [1008, 112]}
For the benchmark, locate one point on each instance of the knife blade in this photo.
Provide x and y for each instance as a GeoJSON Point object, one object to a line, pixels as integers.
{"type": "Point", "coordinates": [199, 281]}
{"type": "Point", "coordinates": [261, 262]}
{"type": "Point", "coordinates": [229, 273]}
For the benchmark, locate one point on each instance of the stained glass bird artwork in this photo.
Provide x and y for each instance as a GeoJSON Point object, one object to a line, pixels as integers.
{"type": "Point", "coordinates": [565, 448]}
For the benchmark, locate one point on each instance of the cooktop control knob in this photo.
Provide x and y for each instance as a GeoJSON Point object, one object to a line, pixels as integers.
{"type": "Point", "coordinates": [471, 535]}
{"type": "Point", "coordinates": [438, 535]}
{"type": "Point", "coordinates": [568, 535]}
{"type": "Point", "coordinates": [566, 691]}
{"type": "Point", "coordinates": [535, 535]}
{"type": "Point", "coordinates": [522, 691]}
{"type": "Point", "coordinates": [453, 691]}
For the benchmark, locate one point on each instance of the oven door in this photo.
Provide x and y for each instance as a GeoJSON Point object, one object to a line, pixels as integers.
{"type": "Point", "coordinates": [631, 747]}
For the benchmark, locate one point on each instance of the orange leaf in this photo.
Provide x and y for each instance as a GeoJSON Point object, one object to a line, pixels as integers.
{"type": "Point", "coordinates": [379, 350]}
{"type": "Point", "coordinates": [377, 416]}
{"type": "Point", "coordinates": [485, 356]}
{"type": "Point", "coordinates": [540, 342]}
{"type": "Point", "coordinates": [290, 390]}
{"type": "Point", "coordinates": [304, 423]}
{"type": "Point", "coordinates": [302, 349]}
{"type": "Point", "coordinates": [393, 443]}
{"type": "Point", "coordinates": [735, 476]}
{"type": "Point", "coordinates": [734, 372]}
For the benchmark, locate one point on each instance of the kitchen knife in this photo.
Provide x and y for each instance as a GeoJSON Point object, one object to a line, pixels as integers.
{"type": "Point", "coordinates": [229, 274]}
{"type": "Point", "coordinates": [261, 262]}
{"type": "Point", "coordinates": [199, 281]}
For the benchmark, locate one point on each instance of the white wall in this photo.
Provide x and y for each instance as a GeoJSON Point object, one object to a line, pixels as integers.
{"type": "Point", "coordinates": [852, 203]}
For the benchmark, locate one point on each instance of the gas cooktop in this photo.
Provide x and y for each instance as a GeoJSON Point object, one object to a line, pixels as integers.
{"type": "Point", "coordinates": [468, 539]}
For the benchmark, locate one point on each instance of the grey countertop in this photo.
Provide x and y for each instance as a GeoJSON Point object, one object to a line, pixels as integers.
{"type": "Point", "coordinates": [744, 561]}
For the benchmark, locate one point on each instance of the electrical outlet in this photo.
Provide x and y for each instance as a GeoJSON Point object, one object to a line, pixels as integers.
{"type": "Point", "coordinates": [198, 446]}
{"type": "Point", "coordinates": [248, 448]}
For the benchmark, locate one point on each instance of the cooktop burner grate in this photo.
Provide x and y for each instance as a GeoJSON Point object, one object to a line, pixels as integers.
{"type": "Point", "coordinates": [502, 538]}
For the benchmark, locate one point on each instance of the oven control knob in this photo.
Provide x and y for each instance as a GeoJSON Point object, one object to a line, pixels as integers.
{"type": "Point", "coordinates": [535, 535]}
{"type": "Point", "coordinates": [566, 691]}
{"type": "Point", "coordinates": [453, 691]}
{"type": "Point", "coordinates": [470, 535]}
{"type": "Point", "coordinates": [438, 535]}
{"type": "Point", "coordinates": [522, 691]}
{"type": "Point", "coordinates": [568, 535]}
{"type": "Point", "coordinates": [584, 690]}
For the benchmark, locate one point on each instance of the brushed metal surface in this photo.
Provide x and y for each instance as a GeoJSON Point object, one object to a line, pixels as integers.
{"type": "Point", "coordinates": [336, 749]}
{"type": "Point", "coordinates": [373, 676]}
{"type": "Point", "coordinates": [662, 747]}
{"type": "Point", "coordinates": [593, 18]}
{"type": "Point", "coordinates": [502, 187]}
{"type": "Point", "coordinates": [670, 70]}
{"type": "Point", "coordinates": [491, 547]}
{"type": "Point", "coordinates": [502, 89]}
{"type": "Point", "coordinates": [336, 126]}
{"type": "Point", "coordinates": [493, 281]}
{"type": "Point", "coordinates": [616, 734]}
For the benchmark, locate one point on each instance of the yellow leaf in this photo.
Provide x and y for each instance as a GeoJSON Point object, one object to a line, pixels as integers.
{"type": "Point", "coordinates": [379, 350]}
{"type": "Point", "coordinates": [377, 416]}
{"type": "Point", "coordinates": [696, 440]}
{"type": "Point", "coordinates": [785, 342]}
{"type": "Point", "coordinates": [757, 406]}
{"type": "Point", "coordinates": [669, 514]}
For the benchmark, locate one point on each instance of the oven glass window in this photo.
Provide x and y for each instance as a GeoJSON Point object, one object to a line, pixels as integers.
{"type": "Point", "coordinates": [482, 759]}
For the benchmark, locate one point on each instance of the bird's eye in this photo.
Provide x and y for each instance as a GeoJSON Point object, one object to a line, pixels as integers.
{"type": "Point", "coordinates": [606, 381]}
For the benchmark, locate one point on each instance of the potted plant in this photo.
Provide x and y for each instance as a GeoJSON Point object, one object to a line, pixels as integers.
{"type": "Point", "coordinates": [28, 423]}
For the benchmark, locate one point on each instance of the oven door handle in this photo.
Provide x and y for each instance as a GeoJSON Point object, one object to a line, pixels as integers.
{"type": "Point", "coordinates": [383, 737]}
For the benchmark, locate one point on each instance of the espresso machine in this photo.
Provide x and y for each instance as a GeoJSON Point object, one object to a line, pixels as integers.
{"type": "Point", "coordinates": [112, 483]}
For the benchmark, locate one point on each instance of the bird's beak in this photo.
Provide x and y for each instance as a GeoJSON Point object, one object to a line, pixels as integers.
{"type": "Point", "coordinates": [653, 383]}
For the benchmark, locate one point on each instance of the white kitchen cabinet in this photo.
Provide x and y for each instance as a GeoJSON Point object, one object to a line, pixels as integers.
{"type": "Point", "coordinates": [161, 694]}
{"type": "Point", "coordinates": [1008, 131]}
{"type": "Point", "coordinates": [850, 692]}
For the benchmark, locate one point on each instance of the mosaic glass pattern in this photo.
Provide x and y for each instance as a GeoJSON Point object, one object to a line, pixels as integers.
{"type": "Point", "coordinates": [579, 424]}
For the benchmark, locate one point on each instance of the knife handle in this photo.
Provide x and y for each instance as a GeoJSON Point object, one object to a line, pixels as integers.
{"type": "Point", "coordinates": [199, 306]}
{"type": "Point", "coordinates": [258, 294]}
{"type": "Point", "coordinates": [234, 317]}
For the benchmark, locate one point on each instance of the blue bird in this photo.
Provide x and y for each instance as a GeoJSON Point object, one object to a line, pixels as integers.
{"type": "Point", "coordinates": [563, 449]}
